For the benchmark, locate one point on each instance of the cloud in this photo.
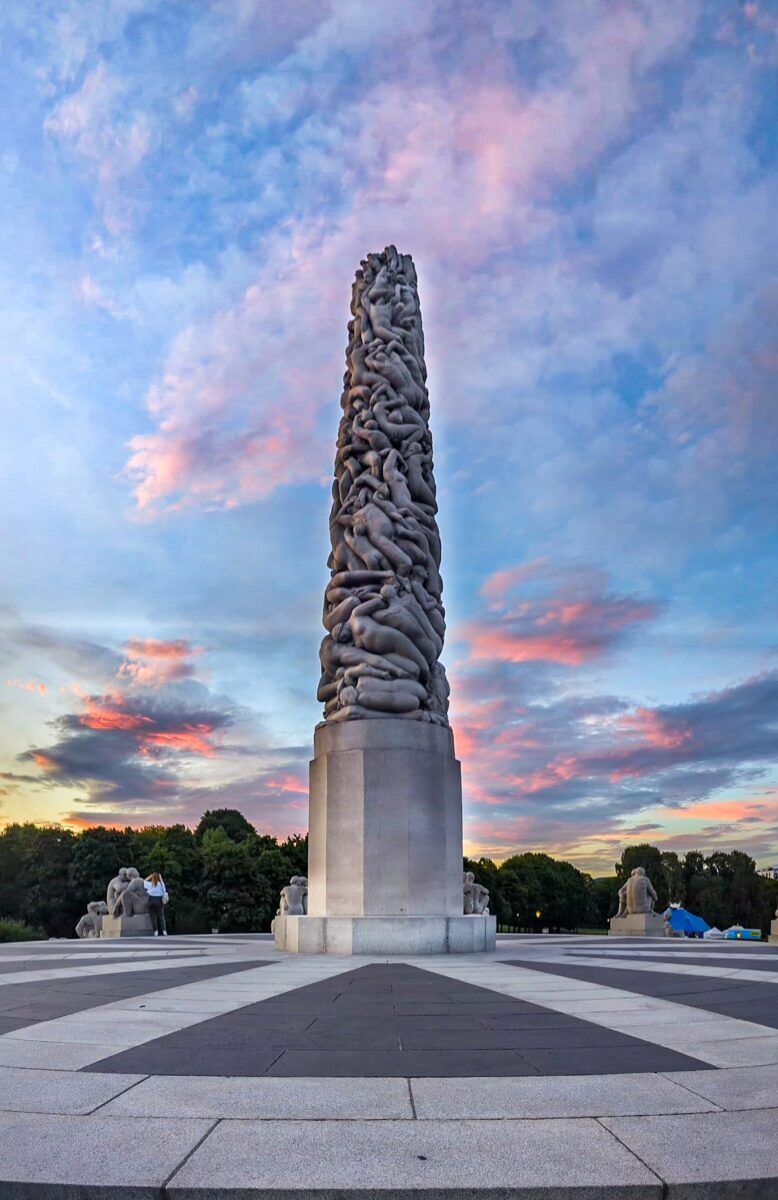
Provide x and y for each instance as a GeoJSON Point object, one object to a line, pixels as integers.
{"type": "Point", "coordinates": [113, 144]}
{"type": "Point", "coordinates": [546, 760]}
{"type": "Point", "coordinates": [438, 158]}
{"type": "Point", "coordinates": [27, 685]}
{"type": "Point", "coordinates": [151, 662]}
{"type": "Point", "coordinates": [574, 620]}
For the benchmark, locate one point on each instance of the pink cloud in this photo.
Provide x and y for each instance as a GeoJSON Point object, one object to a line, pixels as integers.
{"type": "Point", "coordinates": [442, 163]}
{"type": "Point", "coordinates": [573, 620]}
{"type": "Point", "coordinates": [152, 662]}
{"type": "Point", "coordinates": [27, 685]}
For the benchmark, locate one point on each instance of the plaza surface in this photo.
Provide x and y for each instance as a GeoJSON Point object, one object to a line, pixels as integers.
{"type": "Point", "coordinates": [554, 1067]}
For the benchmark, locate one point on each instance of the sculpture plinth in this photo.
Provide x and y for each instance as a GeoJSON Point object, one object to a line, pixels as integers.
{"type": "Point", "coordinates": [120, 926]}
{"type": "Point", "coordinates": [648, 924]}
{"type": "Point", "coordinates": [385, 843]}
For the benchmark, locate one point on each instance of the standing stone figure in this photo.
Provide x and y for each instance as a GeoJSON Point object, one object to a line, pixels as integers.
{"type": "Point", "coordinates": [382, 608]}
{"type": "Point", "coordinates": [637, 895]}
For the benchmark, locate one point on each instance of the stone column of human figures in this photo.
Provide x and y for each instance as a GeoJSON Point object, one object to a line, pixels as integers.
{"type": "Point", "coordinates": [382, 609]}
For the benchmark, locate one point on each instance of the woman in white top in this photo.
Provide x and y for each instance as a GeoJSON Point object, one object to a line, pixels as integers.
{"type": "Point", "coordinates": [155, 887]}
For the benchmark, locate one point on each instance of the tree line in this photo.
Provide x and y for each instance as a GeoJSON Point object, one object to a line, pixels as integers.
{"type": "Point", "coordinates": [224, 875]}
{"type": "Point", "coordinates": [534, 891]}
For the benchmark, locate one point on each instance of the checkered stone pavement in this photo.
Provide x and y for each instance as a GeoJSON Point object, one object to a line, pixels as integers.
{"type": "Point", "coordinates": [555, 1067]}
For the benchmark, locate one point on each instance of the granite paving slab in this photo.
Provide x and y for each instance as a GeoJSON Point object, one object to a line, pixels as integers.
{"type": "Point", "coordinates": [698, 1153]}
{"type": "Point", "coordinates": [734, 1088]}
{"type": "Point", "coordinates": [414, 1158]}
{"type": "Point", "coordinates": [556, 1096]}
{"type": "Point", "coordinates": [92, 1156]}
{"type": "Point", "coordinates": [63, 1092]}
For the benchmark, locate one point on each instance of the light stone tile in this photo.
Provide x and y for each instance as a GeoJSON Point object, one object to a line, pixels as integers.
{"type": "Point", "coordinates": [733, 1088]}
{"type": "Point", "coordinates": [50, 1056]}
{"type": "Point", "coordinates": [79, 1153]}
{"type": "Point", "coordinates": [365, 1157]}
{"type": "Point", "coordinates": [300, 1099]}
{"type": "Point", "coordinates": [706, 1147]}
{"type": "Point", "coordinates": [552, 1096]}
{"type": "Point", "coordinates": [66, 1092]}
{"type": "Point", "coordinates": [742, 1052]}
{"type": "Point", "coordinates": [681, 1037]}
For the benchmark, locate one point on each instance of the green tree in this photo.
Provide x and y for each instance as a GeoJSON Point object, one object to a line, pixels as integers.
{"type": "Point", "coordinates": [230, 820]}
{"type": "Point", "coordinates": [97, 855]}
{"type": "Point", "coordinates": [604, 893]}
{"type": "Point", "coordinates": [237, 897]}
{"type": "Point", "coordinates": [672, 872]}
{"type": "Point", "coordinates": [540, 892]}
{"type": "Point", "coordinates": [175, 852]}
{"type": "Point", "coordinates": [35, 882]}
{"type": "Point", "coordinates": [295, 848]}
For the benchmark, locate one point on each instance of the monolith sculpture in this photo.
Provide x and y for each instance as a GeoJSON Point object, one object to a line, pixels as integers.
{"type": "Point", "coordinates": [385, 844]}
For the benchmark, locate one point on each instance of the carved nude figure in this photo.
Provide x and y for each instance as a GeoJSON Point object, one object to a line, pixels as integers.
{"type": "Point", "coordinates": [89, 925]}
{"type": "Point", "coordinates": [115, 888]}
{"type": "Point", "coordinates": [637, 895]}
{"type": "Point", "coordinates": [134, 900]}
{"type": "Point", "coordinates": [475, 896]}
{"type": "Point", "coordinates": [383, 614]}
{"type": "Point", "coordinates": [294, 897]}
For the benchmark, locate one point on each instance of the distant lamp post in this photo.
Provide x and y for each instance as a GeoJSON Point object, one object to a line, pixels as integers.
{"type": "Point", "coordinates": [538, 914]}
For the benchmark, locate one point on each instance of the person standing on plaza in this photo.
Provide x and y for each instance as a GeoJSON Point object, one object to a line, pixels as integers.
{"type": "Point", "coordinates": [157, 893]}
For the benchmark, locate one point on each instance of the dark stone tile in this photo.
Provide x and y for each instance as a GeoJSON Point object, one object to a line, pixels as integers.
{"type": "Point", "coordinates": [618, 1060]}
{"type": "Point", "coordinates": [153, 1059]}
{"type": "Point", "coordinates": [433, 1010]}
{"type": "Point", "coordinates": [536, 1019]}
{"type": "Point", "coordinates": [398, 1064]}
{"type": "Point", "coordinates": [583, 1035]}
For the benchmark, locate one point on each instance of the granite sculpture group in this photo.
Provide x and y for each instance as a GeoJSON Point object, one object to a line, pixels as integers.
{"type": "Point", "coordinates": [383, 612]}
{"type": "Point", "coordinates": [385, 828]}
{"type": "Point", "coordinates": [123, 913]}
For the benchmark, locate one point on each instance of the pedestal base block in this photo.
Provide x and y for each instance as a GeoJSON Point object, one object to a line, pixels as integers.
{"type": "Point", "coordinates": [637, 925]}
{"type": "Point", "coordinates": [385, 935]}
{"type": "Point", "coordinates": [773, 931]}
{"type": "Point", "coordinates": [119, 927]}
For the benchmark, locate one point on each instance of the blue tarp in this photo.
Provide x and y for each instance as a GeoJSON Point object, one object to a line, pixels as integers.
{"type": "Point", "coordinates": [685, 922]}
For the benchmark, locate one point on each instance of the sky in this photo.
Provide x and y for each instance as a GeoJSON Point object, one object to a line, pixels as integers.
{"type": "Point", "coordinates": [588, 192]}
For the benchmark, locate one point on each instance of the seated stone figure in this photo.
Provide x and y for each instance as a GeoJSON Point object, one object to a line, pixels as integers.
{"type": "Point", "coordinates": [115, 889]}
{"type": "Point", "coordinates": [294, 897]}
{"type": "Point", "coordinates": [475, 896]}
{"type": "Point", "coordinates": [637, 895]}
{"type": "Point", "coordinates": [134, 899]}
{"type": "Point", "coordinates": [89, 925]}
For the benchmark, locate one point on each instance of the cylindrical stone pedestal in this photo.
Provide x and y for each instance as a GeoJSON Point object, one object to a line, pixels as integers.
{"type": "Point", "coordinates": [385, 845]}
